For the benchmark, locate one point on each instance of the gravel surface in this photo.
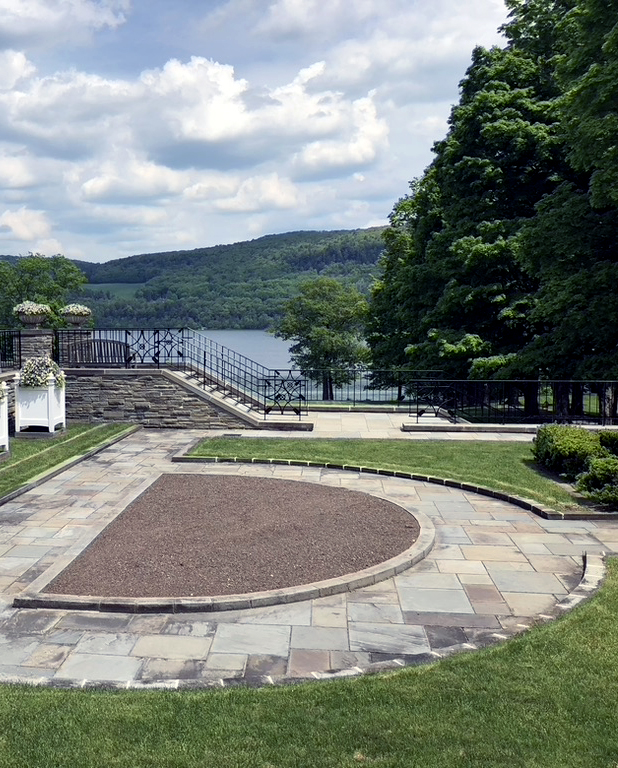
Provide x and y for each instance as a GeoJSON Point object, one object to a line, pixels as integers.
{"type": "Point", "coordinates": [193, 535]}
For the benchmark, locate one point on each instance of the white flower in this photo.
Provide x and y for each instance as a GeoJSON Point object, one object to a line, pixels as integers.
{"type": "Point", "coordinates": [32, 308]}
{"type": "Point", "coordinates": [76, 309]}
{"type": "Point", "coordinates": [36, 370]}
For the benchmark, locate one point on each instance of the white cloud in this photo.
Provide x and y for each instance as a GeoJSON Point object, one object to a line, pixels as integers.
{"type": "Point", "coordinates": [261, 192]}
{"type": "Point", "coordinates": [25, 224]}
{"type": "Point", "coordinates": [51, 21]}
{"type": "Point", "coordinates": [309, 115]}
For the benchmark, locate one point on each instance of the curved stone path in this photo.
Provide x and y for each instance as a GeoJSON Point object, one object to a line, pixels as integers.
{"type": "Point", "coordinates": [494, 570]}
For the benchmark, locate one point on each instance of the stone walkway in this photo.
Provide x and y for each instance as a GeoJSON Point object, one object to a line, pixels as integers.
{"type": "Point", "coordinates": [494, 570]}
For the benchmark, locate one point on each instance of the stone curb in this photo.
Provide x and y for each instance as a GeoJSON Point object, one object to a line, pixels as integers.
{"type": "Point", "coordinates": [593, 574]}
{"type": "Point", "coordinates": [347, 583]}
{"type": "Point", "coordinates": [528, 504]}
{"type": "Point", "coordinates": [39, 479]}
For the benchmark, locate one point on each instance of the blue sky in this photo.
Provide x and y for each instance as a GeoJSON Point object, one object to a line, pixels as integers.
{"type": "Point", "coordinates": [135, 126]}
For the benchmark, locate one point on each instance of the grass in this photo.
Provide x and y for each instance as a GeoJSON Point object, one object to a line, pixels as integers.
{"type": "Point", "coordinates": [30, 458]}
{"type": "Point", "coordinates": [547, 699]}
{"type": "Point", "coordinates": [505, 466]}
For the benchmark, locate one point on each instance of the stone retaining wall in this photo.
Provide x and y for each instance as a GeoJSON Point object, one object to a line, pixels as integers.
{"type": "Point", "coordinates": [150, 398]}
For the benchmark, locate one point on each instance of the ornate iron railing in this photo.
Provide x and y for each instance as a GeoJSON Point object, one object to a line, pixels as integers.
{"type": "Point", "coordinates": [191, 352]}
{"type": "Point", "coordinates": [10, 349]}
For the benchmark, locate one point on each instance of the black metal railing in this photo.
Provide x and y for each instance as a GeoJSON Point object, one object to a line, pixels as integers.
{"type": "Point", "coordinates": [10, 349]}
{"type": "Point", "coordinates": [280, 391]}
{"type": "Point", "coordinates": [263, 389]}
{"type": "Point", "coordinates": [517, 402]}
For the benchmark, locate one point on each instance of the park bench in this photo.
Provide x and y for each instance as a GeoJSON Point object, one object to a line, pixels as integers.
{"type": "Point", "coordinates": [98, 353]}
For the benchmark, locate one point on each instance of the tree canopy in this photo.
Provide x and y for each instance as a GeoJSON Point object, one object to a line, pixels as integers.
{"type": "Point", "coordinates": [502, 258]}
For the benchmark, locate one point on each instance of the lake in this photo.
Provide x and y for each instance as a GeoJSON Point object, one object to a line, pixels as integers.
{"type": "Point", "coordinates": [256, 345]}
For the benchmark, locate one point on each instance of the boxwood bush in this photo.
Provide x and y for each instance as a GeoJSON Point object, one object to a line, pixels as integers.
{"type": "Point", "coordinates": [609, 440]}
{"type": "Point", "coordinates": [600, 481]}
{"type": "Point", "coordinates": [566, 450]}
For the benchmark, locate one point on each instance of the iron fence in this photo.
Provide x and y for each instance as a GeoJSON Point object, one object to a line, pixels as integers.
{"type": "Point", "coordinates": [10, 349]}
{"type": "Point", "coordinates": [191, 352]}
{"type": "Point", "coordinates": [267, 390]}
{"type": "Point", "coordinates": [517, 402]}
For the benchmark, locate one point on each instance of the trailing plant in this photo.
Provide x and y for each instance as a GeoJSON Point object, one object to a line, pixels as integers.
{"type": "Point", "coordinates": [37, 370]}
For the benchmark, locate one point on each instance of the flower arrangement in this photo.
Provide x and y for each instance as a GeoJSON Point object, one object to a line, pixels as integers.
{"type": "Point", "coordinates": [30, 308]}
{"type": "Point", "coordinates": [77, 310]}
{"type": "Point", "coordinates": [36, 371]}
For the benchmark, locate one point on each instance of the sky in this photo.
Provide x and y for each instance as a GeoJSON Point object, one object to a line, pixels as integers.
{"type": "Point", "coordinates": [140, 126]}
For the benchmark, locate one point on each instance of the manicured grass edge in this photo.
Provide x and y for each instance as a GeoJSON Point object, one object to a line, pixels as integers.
{"type": "Point", "coordinates": [68, 463]}
{"type": "Point", "coordinates": [530, 505]}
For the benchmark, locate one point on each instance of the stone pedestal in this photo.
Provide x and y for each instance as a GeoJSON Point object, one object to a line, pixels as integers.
{"type": "Point", "coordinates": [36, 342]}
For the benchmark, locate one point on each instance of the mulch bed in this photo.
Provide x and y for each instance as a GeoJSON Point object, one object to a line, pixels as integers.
{"type": "Point", "coordinates": [194, 535]}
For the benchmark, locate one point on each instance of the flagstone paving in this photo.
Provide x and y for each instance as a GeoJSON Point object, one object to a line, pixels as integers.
{"type": "Point", "coordinates": [494, 569]}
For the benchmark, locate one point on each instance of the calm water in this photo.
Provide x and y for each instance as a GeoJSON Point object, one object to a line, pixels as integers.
{"type": "Point", "coordinates": [257, 345]}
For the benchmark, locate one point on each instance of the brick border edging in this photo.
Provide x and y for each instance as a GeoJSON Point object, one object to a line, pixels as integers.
{"type": "Point", "coordinates": [68, 464]}
{"type": "Point", "coordinates": [542, 510]}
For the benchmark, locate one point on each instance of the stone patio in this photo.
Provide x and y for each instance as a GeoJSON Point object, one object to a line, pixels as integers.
{"type": "Point", "coordinates": [494, 570]}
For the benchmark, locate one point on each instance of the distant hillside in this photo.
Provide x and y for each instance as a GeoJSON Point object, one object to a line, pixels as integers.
{"type": "Point", "coordinates": [227, 286]}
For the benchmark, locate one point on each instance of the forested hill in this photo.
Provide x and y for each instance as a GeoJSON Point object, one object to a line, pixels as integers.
{"type": "Point", "coordinates": [226, 286]}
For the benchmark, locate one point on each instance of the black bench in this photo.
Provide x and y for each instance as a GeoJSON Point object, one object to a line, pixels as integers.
{"type": "Point", "coordinates": [98, 353]}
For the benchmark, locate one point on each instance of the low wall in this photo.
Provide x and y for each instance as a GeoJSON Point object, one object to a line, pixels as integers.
{"type": "Point", "coordinates": [149, 397]}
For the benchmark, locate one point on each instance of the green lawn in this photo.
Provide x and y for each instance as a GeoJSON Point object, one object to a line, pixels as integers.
{"type": "Point", "coordinates": [506, 466]}
{"type": "Point", "coordinates": [546, 699]}
{"type": "Point", "coordinates": [30, 457]}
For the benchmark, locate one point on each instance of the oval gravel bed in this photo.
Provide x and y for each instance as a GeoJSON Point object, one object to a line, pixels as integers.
{"type": "Point", "coordinates": [195, 535]}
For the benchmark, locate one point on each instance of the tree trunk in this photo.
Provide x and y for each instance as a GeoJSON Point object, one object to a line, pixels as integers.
{"type": "Point", "coordinates": [531, 399]}
{"type": "Point", "coordinates": [327, 386]}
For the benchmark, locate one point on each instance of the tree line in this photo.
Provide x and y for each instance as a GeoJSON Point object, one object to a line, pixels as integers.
{"type": "Point", "coordinates": [501, 261]}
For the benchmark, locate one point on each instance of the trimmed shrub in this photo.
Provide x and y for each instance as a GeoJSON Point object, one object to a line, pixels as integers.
{"type": "Point", "coordinates": [609, 440]}
{"type": "Point", "coordinates": [600, 481]}
{"type": "Point", "coordinates": [566, 450]}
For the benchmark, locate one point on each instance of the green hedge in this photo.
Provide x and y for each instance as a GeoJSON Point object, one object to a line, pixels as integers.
{"type": "Point", "coordinates": [609, 440]}
{"type": "Point", "coordinates": [567, 450]}
{"type": "Point", "coordinates": [600, 481]}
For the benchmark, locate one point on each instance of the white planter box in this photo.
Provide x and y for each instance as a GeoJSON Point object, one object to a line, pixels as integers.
{"type": "Point", "coordinates": [39, 406]}
{"type": "Point", "coordinates": [4, 417]}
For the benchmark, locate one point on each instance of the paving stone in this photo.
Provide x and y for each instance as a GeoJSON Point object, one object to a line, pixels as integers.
{"type": "Point", "coordinates": [188, 627]}
{"type": "Point", "coordinates": [48, 655]}
{"type": "Point", "coordinates": [388, 638]}
{"type": "Point", "coordinates": [262, 664]}
{"type": "Point", "coordinates": [31, 622]}
{"type": "Point", "coordinates": [490, 554]}
{"type": "Point", "coordinates": [540, 583]}
{"type": "Point", "coordinates": [293, 613]}
{"type": "Point", "coordinates": [16, 650]}
{"type": "Point", "coordinates": [172, 647]}
{"type": "Point", "coordinates": [500, 567]}
{"type": "Point", "coordinates": [462, 566]}
{"type": "Point", "coordinates": [426, 618]}
{"type": "Point", "coordinates": [87, 620]}
{"type": "Point", "coordinates": [349, 659]}
{"type": "Point", "coordinates": [447, 600]}
{"type": "Point", "coordinates": [446, 552]}
{"type": "Point", "coordinates": [319, 638]}
{"type": "Point", "coordinates": [323, 616]}
{"type": "Point", "coordinates": [526, 604]}
{"type": "Point", "coordinates": [98, 667]}
{"type": "Point", "coordinates": [474, 578]}
{"type": "Point", "coordinates": [108, 644]}
{"type": "Point", "coordinates": [64, 636]}
{"type": "Point", "coordinates": [227, 661]}
{"type": "Point", "coordinates": [32, 674]}
{"type": "Point", "coordinates": [303, 662]}
{"type": "Point", "coordinates": [375, 613]}
{"type": "Point", "coordinates": [443, 637]}
{"type": "Point", "coordinates": [430, 580]}
{"type": "Point", "coordinates": [147, 624]}
{"type": "Point", "coordinates": [481, 592]}
{"type": "Point", "coordinates": [236, 638]}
